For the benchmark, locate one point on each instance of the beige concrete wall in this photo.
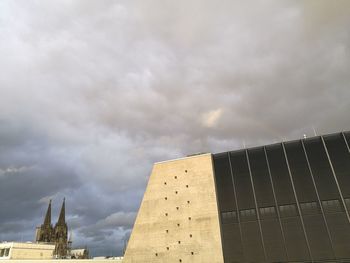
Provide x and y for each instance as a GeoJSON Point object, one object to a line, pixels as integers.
{"type": "Point", "coordinates": [179, 205]}
{"type": "Point", "coordinates": [31, 251]}
{"type": "Point", "coordinates": [21, 250]}
{"type": "Point", "coordinates": [31, 254]}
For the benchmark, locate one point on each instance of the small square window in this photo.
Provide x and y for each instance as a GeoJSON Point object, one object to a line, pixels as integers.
{"type": "Point", "coordinates": [248, 215]}
{"type": "Point", "coordinates": [229, 217]}
{"type": "Point", "coordinates": [187, 185]}
{"type": "Point", "coordinates": [310, 208]}
{"type": "Point", "coordinates": [189, 218]}
{"type": "Point", "coordinates": [267, 212]}
{"type": "Point", "coordinates": [166, 214]}
{"type": "Point", "coordinates": [332, 206]}
{"type": "Point", "coordinates": [188, 202]}
{"type": "Point", "coordinates": [175, 177]}
{"type": "Point", "coordinates": [179, 242]}
{"type": "Point", "coordinates": [288, 210]}
{"type": "Point", "coordinates": [176, 192]}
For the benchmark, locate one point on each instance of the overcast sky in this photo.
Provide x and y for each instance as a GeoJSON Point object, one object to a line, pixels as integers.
{"type": "Point", "coordinates": [93, 92]}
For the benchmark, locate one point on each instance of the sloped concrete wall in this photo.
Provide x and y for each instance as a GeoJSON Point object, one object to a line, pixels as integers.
{"type": "Point", "coordinates": [178, 219]}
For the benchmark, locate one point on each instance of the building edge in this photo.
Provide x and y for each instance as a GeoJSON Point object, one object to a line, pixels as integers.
{"type": "Point", "coordinates": [178, 219]}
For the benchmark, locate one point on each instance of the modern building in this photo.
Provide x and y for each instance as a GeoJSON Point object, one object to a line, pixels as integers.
{"type": "Point", "coordinates": [28, 250]}
{"type": "Point", "coordinates": [80, 253]}
{"type": "Point", "coordinates": [285, 202]}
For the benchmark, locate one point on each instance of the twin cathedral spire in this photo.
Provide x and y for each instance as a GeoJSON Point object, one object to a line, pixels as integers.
{"type": "Point", "coordinates": [57, 234]}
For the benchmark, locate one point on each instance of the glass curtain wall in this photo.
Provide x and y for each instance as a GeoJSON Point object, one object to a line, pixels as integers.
{"type": "Point", "coordinates": [286, 202]}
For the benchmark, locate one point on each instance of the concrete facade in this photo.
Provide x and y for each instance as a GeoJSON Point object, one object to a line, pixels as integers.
{"type": "Point", "coordinates": [178, 220]}
{"type": "Point", "coordinates": [18, 250]}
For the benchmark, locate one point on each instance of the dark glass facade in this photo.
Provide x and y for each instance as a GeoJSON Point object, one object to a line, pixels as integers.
{"type": "Point", "coordinates": [286, 202]}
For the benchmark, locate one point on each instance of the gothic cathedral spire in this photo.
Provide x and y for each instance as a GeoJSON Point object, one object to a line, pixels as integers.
{"type": "Point", "coordinates": [47, 220]}
{"type": "Point", "coordinates": [62, 217]}
{"type": "Point", "coordinates": [61, 234]}
{"type": "Point", "coordinates": [44, 233]}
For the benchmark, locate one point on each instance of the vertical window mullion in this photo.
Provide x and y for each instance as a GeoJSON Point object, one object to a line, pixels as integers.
{"type": "Point", "coordinates": [297, 201]}
{"type": "Point", "coordinates": [335, 178]}
{"type": "Point", "coordinates": [276, 204]}
{"type": "Point", "coordinates": [256, 204]}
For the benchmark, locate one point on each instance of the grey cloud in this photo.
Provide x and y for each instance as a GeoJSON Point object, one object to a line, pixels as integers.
{"type": "Point", "coordinates": [106, 227]}
{"type": "Point", "coordinates": [11, 228]}
{"type": "Point", "coordinates": [118, 219]}
{"type": "Point", "coordinates": [92, 93]}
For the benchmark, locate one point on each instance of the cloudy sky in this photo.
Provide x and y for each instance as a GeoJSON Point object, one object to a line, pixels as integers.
{"type": "Point", "coordinates": [93, 92]}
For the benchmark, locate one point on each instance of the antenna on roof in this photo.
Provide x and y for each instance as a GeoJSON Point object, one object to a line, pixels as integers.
{"type": "Point", "coordinates": [314, 130]}
{"type": "Point", "coordinates": [70, 239]}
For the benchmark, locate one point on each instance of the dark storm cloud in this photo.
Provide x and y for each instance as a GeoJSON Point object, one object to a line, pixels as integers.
{"type": "Point", "coordinates": [92, 93]}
